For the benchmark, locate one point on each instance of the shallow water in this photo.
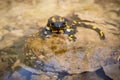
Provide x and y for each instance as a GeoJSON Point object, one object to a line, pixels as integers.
{"type": "Point", "coordinates": [20, 18]}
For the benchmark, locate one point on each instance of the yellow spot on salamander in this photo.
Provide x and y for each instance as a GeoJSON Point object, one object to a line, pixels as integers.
{"type": "Point", "coordinates": [94, 27]}
{"type": "Point", "coordinates": [47, 36]}
{"type": "Point", "coordinates": [61, 31]}
{"type": "Point", "coordinates": [60, 19]}
{"type": "Point", "coordinates": [54, 30]}
{"type": "Point", "coordinates": [68, 29]}
{"type": "Point", "coordinates": [48, 28]}
{"type": "Point", "coordinates": [70, 37]}
{"type": "Point", "coordinates": [79, 22]}
{"type": "Point", "coordinates": [53, 19]}
{"type": "Point", "coordinates": [101, 33]}
{"type": "Point", "coordinates": [74, 21]}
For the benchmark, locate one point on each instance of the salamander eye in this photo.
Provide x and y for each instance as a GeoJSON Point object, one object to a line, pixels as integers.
{"type": "Point", "coordinates": [63, 23]}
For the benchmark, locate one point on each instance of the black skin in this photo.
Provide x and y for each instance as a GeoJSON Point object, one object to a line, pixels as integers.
{"type": "Point", "coordinates": [57, 24]}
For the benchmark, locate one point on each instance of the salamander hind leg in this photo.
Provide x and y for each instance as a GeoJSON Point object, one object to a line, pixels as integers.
{"type": "Point", "coordinates": [70, 33]}
{"type": "Point", "coordinates": [72, 38]}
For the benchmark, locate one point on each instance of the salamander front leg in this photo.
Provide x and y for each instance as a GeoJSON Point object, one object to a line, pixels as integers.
{"type": "Point", "coordinates": [45, 33]}
{"type": "Point", "coordinates": [72, 38]}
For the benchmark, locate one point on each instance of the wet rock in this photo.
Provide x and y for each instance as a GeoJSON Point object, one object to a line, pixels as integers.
{"type": "Point", "coordinates": [104, 57]}
{"type": "Point", "coordinates": [18, 33]}
{"type": "Point", "coordinates": [2, 33]}
{"type": "Point", "coordinates": [46, 77]}
{"type": "Point", "coordinates": [10, 28]}
{"type": "Point", "coordinates": [1, 38]}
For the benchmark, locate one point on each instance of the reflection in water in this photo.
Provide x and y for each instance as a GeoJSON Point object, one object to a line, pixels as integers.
{"type": "Point", "coordinates": [100, 72]}
{"type": "Point", "coordinates": [22, 74]}
{"type": "Point", "coordinates": [25, 74]}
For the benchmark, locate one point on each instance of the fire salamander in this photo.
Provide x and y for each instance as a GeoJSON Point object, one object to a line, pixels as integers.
{"type": "Point", "coordinates": [57, 24]}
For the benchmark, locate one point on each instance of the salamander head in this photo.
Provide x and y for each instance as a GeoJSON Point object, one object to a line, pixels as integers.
{"type": "Point", "coordinates": [57, 22]}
